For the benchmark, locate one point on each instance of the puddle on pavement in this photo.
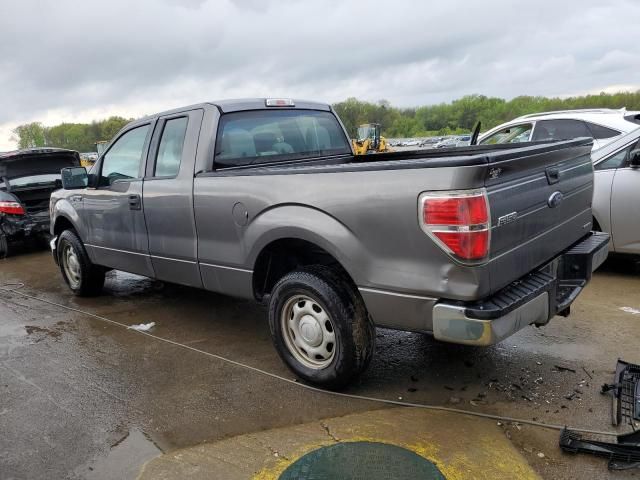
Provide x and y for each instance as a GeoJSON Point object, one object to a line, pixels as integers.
{"type": "Point", "coordinates": [123, 460]}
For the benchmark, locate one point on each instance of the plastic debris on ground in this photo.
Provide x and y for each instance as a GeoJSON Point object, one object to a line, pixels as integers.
{"type": "Point", "coordinates": [625, 391]}
{"type": "Point", "coordinates": [142, 327]}
{"type": "Point", "coordinates": [623, 455]}
{"type": "Point", "coordinates": [632, 311]}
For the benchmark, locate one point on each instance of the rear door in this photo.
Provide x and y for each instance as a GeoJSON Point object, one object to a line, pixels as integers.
{"type": "Point", "coordinates": [114, 211]}
{"type": "Point", "coordinates": [168, 198]}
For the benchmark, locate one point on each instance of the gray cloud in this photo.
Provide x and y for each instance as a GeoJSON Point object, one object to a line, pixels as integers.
{"type": "Point", "coordinates": [69, 59]}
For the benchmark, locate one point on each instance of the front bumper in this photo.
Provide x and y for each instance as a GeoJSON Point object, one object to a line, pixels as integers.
{"type": "Point", "coordinates": [533, 299]}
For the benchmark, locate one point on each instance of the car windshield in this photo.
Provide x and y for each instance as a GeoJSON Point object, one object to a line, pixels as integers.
{"type": "Point", "coordinates": [267, 136]}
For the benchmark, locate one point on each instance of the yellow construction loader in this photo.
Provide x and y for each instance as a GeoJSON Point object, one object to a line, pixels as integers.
{"type": "Point", "coordinates": [369, 140]}
{"type": "Point", "coordinates": [89, 161]}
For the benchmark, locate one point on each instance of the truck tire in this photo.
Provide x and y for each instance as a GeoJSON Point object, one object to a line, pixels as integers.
{"type": "Point", "coordinates": [320, 326]}
{"type": "Point", "coordinates": [83, 277]}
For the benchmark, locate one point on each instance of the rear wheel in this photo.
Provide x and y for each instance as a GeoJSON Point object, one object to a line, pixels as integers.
{"type": "Point", "coordinates": [83, 277]}
{"type": "Point", "coordinates": [320, 326]}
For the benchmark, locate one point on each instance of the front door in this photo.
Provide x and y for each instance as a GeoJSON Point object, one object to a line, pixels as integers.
{"type": "Point", "coordinates": [625, 210]}
{"type": "Point", "coordinates": [114, 210]}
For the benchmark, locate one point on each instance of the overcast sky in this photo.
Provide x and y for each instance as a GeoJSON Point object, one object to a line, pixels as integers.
{"type": "Point", "coordinates": [76, 61]}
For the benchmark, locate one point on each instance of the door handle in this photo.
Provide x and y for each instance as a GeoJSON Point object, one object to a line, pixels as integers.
{"type": "Point", "coordinates": [134, 202]}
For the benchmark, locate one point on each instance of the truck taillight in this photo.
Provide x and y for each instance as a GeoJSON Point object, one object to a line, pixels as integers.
{"type": "Point", "coordinates": [458, 221]}
{"type": "Point", "coordinates": [11, 208]}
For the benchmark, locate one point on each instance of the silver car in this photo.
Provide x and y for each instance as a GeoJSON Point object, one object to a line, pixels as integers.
{"type": "Point", "coordinates": [616, 197]}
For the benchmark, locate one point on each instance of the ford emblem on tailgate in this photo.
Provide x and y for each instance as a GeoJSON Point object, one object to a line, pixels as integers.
{"type": "Point", "coordinates": [555, 199]}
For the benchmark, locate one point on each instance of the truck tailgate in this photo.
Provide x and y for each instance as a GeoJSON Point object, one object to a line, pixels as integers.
{"type": "Point", "coordinates": [540, 204]}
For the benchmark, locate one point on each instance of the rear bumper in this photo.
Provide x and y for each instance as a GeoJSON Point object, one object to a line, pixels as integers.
{"type": "Point", "coordinates": [16, 227]}
{"type": "Point", "coordinates": [533, 299]}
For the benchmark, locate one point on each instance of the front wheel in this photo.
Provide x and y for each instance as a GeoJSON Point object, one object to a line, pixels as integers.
{"type": "Point", "coordinates": [83, 277]}
{"type": "Point", "coordinates": [320, 326]}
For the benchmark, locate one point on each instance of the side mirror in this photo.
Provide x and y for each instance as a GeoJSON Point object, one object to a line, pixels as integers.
{"type": "Point", "coordinates": [634, 158]}
{"type": "Point", "coordinates": [74, 178]}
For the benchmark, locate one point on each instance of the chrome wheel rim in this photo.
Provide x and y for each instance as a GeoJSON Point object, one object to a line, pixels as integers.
{"type": "Point", "coordinates": [71, 266]}
{"type": "Point", "coordinates": [308, 332]}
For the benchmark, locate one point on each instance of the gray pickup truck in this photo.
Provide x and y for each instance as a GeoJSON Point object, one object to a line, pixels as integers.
{"type": "Point", "coordinates": [264, 199]}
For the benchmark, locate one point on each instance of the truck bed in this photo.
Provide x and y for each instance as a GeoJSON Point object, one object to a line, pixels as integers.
{"type": "Point", "coordinates": [367, 208]}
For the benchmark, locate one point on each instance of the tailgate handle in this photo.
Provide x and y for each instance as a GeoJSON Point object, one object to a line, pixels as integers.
{"type": "Point", "coordinates": [134, 202]}
{"type": "Point", "coordinates": [553, 175]}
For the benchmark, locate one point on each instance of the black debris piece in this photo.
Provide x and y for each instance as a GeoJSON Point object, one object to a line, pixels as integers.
{"type": "Point", "coordinates": [622, 456]}
{"type": "Point", "coordinates": [625, 393]}
{"type": "Point", "coordinates": [560, 368]}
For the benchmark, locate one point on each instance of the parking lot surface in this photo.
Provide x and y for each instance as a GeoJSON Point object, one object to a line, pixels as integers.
{"type": "Point", "coordinates": [84, 398]}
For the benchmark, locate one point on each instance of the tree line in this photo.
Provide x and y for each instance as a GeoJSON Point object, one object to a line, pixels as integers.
{"type": "Point", "coordinates": [458, 116]}
{"type": "Point", "coordinates": [74, 136]}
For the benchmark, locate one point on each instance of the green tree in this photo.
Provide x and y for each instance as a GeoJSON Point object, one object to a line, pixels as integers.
{"type": "Point", "coordinates": [30, 135]}
{"type": "Point", "coordinates": [74, 136]}
{"type": "Point", "coordinates": [456, 117]}
{"type": "Point", "coordinates": [109, 127]}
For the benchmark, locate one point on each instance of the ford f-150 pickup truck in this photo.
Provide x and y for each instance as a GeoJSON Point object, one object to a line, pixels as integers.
{"type": "Point", "coordinates": [264, 199]}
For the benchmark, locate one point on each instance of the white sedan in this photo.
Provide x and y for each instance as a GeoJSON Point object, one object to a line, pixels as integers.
{"type": "Point", "coordinates": [603, 125]}
{"type": "Point", "coordinates": [616, 196]}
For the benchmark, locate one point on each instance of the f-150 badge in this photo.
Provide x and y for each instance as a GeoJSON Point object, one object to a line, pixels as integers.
{"type": "Point", "coordinates": [508, 218]}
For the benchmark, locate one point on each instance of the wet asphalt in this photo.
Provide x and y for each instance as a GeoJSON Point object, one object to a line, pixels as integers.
{"type": "Point", "coordinates": [83, 398]}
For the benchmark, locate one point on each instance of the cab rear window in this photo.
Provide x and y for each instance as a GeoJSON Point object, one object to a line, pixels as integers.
{"type": "Point", "coordinates": [271, 136]}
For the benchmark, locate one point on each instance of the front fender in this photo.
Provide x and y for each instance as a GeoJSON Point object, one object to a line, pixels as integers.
{"type": "Point", "coordinates": [63, 209]}
{"type": "Point", "coordinates": [306, 223]}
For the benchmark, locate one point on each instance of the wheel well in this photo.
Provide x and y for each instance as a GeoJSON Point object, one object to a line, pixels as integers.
{"type": "Point", "coordinates": [62, 224]}
{"type": "Point", "coordinates": [596, 225]}
{"type": "Point", "coordinates": [286, 255]}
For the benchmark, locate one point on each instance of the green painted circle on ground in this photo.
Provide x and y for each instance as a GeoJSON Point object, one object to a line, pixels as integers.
{"type": "Point", "coordinates": [362, 461]}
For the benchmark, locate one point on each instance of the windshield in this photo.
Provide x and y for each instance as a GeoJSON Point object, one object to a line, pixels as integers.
{"type": "Point", "coordinates": [267, 136]}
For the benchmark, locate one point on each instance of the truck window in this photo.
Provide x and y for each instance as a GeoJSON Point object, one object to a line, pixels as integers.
{"type": "Point", "coordinates": [123, 159]}
{"type": "Point", "coordinates": [170, 148]}
{"type": "Point", "coordinates": [267, 136]}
